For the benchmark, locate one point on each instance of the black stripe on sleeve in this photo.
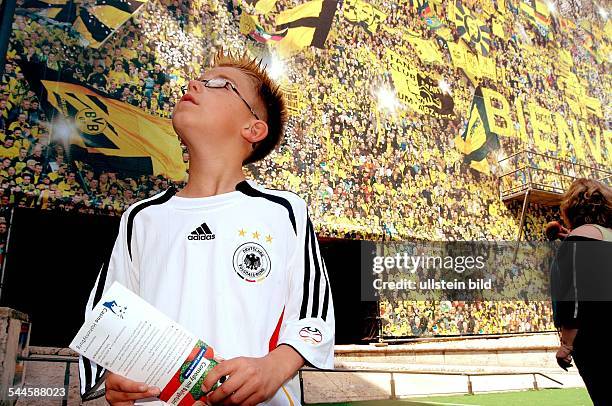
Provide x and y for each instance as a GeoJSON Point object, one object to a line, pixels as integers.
{"type": "Point", "coordinates": [87, 372]}
{"type": "Point", "coordinates": [159, 199]}
{"type": "Point", "coordinates": [249, 190]}
{"type": "Point", "coordinates": [101, 283]}
{"type": "Point", "coordinates": [93, 391]}
{"type": "Point", "coordinates": [326, 297]}
{"type": "Point", "coordinates": [317, 275]}
{"type": "Point", "coordinates": [99, 373]}
{"type": "Point", "coordinates": [320, 264]}
{"type": "Point", "coordinates": [306, 293]}
{"type": "Point", "coordinates": [87, 365]}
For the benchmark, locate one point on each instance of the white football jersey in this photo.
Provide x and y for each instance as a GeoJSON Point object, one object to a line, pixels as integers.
{"type": "Point", "coordinates": [241, 270]}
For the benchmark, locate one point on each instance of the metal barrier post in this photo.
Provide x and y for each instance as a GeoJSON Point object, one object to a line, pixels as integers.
{"type": "Point", "coordinates": [66, 384]}
{"type": "Point", "coordinates": [393, 397]}
{"type": "Point", "coordinates": [470, 390]}
{"type": "Point", "coordinates": [535, 382]}
{"type": "Point", "coordinates": [301, 386]}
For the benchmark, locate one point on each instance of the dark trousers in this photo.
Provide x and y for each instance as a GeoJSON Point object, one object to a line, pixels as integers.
{"type": "Point", "coordinates": [593, 362]}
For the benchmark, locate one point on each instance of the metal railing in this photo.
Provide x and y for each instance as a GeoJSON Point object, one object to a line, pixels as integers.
{"type": "Point", "coordinates": [528, 177]}
{"type": "Point", "coordinates": [524, 172]}
{"type": "Point", "coordinates": [67, 360]}
{"type": "Point", "coordinates": [393, 395]}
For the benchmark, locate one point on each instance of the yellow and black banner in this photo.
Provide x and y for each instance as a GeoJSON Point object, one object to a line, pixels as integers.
{"type": "Point", "coordinates": [262, 6]}
{"type": "Point", "coordinates": [364, 14]}
{"type": "Point", "coordinates": [475, 32]}
{"type": "Point", "coordinates": [95, 21]}
{"type": "Point", "coordinates": [537, 13]}
{"type": "Point", "coordinates": [426, 49]}
{"type": "Point", "coordinates": [295, 103]}
{"type": "Point", "coordinates": [115, 135]}
{"type": "Point", "coordinates": [474, 66]}
{"type": "Point", "coordinates": [307, 25]}
{"type": "Point", "coordinates": [418, 90]}
{"type": "Point", "coordinates": [477, 141]}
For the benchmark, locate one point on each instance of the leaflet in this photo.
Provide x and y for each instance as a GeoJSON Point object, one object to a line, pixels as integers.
{"type": "Point", "coordinates": [129, 337]}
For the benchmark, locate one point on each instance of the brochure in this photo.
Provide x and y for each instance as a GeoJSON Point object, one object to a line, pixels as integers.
{"type": "Point", "coordinates": [129, 337]}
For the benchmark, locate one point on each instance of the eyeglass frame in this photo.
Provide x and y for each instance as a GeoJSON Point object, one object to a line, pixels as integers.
{"type": "Point", "coordinates": [232, 87]}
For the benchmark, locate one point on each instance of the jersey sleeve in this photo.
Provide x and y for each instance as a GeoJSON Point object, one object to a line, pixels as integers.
{"type": "Point", "coordinates": [122, 269]}
{"type": "Point", "coordinates": [308, 322]}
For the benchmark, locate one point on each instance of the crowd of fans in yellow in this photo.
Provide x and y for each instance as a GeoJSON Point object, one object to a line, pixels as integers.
{"type": "Point", "coordinates": [366, 170]}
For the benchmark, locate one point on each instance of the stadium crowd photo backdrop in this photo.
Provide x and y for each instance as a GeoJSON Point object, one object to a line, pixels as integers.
{"type": "Point", "coordinates": [400, 112]}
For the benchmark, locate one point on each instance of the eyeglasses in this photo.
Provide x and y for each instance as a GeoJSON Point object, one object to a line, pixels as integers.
{"type": "Point", "coordinates": [220, 83]}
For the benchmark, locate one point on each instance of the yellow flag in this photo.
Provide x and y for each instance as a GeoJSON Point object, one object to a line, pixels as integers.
{"type": "Point", "coordinates": [247, 23]}
{"type": "Point", "coordinates": [608, 29]}
{"type": "Point", "coordinates": [457, 52]}
{"type": "Point", "coordinates": [95, 21]}
{"type": "Point", "coordinates": [307, 25]}
{"type": "Point", "coordinates": [308, 9]}
{"type": "Point", "coordinates": [487, 67]}
{"type": "Point", "coordinates": [110, 16]}
{"type": "Point", "coordinates": [296, 39]}
{"type": "Point", "coordinates": [472, 29]}
{"type": "Point", "coordinates": [361, 12]}
{"type": "Point", "coordinates": [117, 133]}
{"type": "Point", "coordinates": [498, 29]}
{"type": "Point", "coordinates": [293, 98]}
{"type": "Point", "coordinates": [426, 49]}
{"type": "Point", "coordinates": [265, 6]}
{"type": "Point", "coordinates": [477, 141]}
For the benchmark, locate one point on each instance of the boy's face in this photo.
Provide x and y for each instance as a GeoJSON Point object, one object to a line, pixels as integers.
{"type": "Point", "coordinates": [217, 116]}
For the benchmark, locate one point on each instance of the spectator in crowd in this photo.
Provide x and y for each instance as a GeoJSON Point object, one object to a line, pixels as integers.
{"type": "Point", "coordinates": [97, 78]}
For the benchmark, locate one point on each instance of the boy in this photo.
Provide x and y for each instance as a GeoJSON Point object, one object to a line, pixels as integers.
{"type": "Point", "coordinates": [236, 264]}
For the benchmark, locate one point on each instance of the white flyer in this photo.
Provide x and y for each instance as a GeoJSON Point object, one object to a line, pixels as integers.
{"type": "Point", "coordinates": [131, 338]}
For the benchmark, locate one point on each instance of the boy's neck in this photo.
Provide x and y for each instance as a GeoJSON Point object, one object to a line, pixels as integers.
{"type": "Point", "coordinates": [211, 178]}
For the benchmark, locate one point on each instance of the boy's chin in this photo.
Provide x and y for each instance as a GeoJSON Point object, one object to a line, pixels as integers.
{"type": "Point", "coordinates": [184, 122]}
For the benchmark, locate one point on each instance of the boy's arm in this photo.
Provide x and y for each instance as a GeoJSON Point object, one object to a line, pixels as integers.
{"type": "Point", "coordinates": [308, 324]}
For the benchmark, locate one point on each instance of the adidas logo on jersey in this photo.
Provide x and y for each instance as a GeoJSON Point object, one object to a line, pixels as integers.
{"type": "Point", "coordinates": [201, 233]}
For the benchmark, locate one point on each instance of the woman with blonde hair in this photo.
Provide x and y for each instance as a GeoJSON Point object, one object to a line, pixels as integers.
{"type": "Point", "coordinates": [582, 284]}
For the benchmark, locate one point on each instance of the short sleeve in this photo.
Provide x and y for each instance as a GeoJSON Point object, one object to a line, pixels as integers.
{"type": "Point", "coordinates": [308, 323]}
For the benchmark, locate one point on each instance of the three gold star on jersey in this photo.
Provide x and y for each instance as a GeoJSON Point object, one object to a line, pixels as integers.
{"type": "Point", "coordinates": [256, 235]}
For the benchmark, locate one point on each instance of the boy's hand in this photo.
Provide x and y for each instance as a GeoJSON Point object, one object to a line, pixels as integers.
{"type": "Point", "coordinates": [252, 380]}
{"type": "Point", "coordinates": [121, 391]}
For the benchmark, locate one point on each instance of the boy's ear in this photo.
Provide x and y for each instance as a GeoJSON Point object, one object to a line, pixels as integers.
{"type": "Point", "coordinates": [255, 132]}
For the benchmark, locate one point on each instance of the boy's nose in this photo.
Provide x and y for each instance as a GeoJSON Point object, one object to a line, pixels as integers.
{"type": "Point", "coordinates": [196, 86]}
